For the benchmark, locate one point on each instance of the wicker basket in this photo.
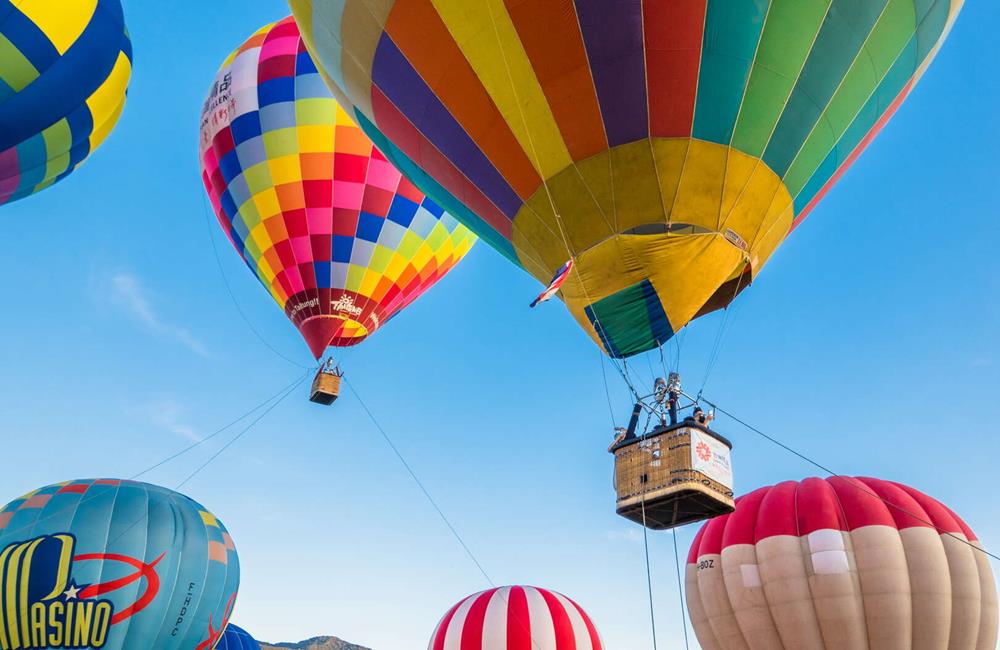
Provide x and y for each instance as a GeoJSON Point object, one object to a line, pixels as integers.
{"type": "Point", "coordinates": [325, 388]}
{"type": "Point", "coordinates": [657, 485]}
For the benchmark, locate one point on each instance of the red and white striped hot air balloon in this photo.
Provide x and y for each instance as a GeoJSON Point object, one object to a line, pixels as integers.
{"type": "Point", "coordinates": [840, 564]}
{"type": "Point", "coordinates": [516, 618]}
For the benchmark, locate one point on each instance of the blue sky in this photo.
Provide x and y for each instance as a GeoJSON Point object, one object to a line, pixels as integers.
{"type": "Point", "coordinates": [868, 343]}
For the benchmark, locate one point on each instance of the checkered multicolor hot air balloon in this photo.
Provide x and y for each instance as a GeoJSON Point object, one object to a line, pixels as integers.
{"type": "Point", "coordinates": [335, 233]}
{"type": "Point", "coordinates": [116, 565]}
{"type": "Point", "coordinates": [64, 69]}
{"type": "Point", "coordinates": [667, 147]}
{"type": "Point", "coordinates": [236, 638]}
{"type": "Point", "coordinates": [516, 618]}
{"type": "Point", "coordinates": [840, 564]}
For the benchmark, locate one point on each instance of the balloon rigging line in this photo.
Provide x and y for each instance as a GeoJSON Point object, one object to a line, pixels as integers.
{"type": "Point", "coordinates": [434, 504]}
{"type": "Point", "coordinates": [849, 482]}
{"type": "Point", "coordinates": [229, 289]}
{"type": "Point", "coordinates": [280, 395]}
{"type": "Point", "coordinates": [680, 591]}
{"type": "Point", "coordinates": [607, 391]}
{"type": "Point", "coordinates": [420, 484]}
{"type": "Point", "coordinates": [145, 515]}
{"type": "Point", "coordinates": [239, 435]}
{"type": "Point", "coordinates": [720, 337]}
{"type": "Point", "coordinates": [649, 573]}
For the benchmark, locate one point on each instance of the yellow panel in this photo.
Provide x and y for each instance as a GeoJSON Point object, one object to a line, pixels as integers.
{"type": "Point", "coordinates": [285, 169]}
{"type": "Point", "coordinates": [740, 208]}
{"type": "Point", "coordinates": [316, 139]}
{"type": "Point", "coordinates": [487, 37]}
{"type": "Point", "coordinates": [62, 21]}
{"type": "Point", "coordinates": [108, 100]}
{"type": "Point", "coordinates": [267, 203]}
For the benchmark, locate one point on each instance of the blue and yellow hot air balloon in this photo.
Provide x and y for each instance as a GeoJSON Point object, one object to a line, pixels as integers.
{"type": "Point", "coordinates": [64, 71]}
{"type": "Point", "coordinates": [113, 564]}
{"type": "Point", "coordinates": [666, 148]}
{"type": "Point", "coordinates": [236, 638]}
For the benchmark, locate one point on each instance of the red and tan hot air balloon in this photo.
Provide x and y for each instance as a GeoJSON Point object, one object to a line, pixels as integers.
{"type": "Point", "coordinates": [516, 618]}
{"type": "Point", "coordinates": [840, 564]}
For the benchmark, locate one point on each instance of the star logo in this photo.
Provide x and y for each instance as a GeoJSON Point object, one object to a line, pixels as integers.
{"type": "Point", "coordinates": [73, 592]}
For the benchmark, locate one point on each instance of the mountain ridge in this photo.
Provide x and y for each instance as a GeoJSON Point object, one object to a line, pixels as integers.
{"type": "Point", "coordinates": [315, 643]}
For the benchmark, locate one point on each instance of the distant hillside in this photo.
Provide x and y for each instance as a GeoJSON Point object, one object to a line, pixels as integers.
{"type": "Point", "coordinates": [315, 643]}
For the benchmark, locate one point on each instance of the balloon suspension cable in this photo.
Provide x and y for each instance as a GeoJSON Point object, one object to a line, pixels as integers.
{"type": "Point", "coordinates": [269, 403]}
{"type": "Point", "coordinates": [229, 289]}
{"type": "Point", "coordinates": [720, 336]}
{"type": "Point", "coordinates": [430, 499]}
{"type": "Point", "coordinates": [848, 479]}
{"type": "Point", "coordinates": [649, 572]}
{"type": "Point", "coordinates": [680, 591]}
{"type": "Point", "coordinates": [218, 453]}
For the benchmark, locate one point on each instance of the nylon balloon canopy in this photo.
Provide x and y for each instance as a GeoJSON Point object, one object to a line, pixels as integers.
{"type": "Point", "coordinates": [336, 234]}
{"type": "Point", "coordinates": [666, 147]}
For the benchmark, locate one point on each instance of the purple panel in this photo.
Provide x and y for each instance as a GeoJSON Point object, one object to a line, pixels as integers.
{"type": "Point", "coordinates": [612, 33]}
{"type": "Point", "coordinates": [397, 79]}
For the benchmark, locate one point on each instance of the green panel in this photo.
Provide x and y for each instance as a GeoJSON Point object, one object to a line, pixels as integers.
{"type": "Point", "coordinates": [732, 32]}
{"type": "Point", "coordinates": [847, 26]}
{"type": "Point", "coordinates": [16, 72]}
{"type": "Point", "coordinates": [933, 22]}
{"type": "Point", "coordinates": [381, 257]}
{"type": "Point", "coordinates": [409, 245]}
{"type": "Point", "coordinates": [887, 42]}
{"type": "Point", "coordinates": [316, 111]}
{"type": "Point", "coordinates": [791, 28]}
{"type": "Point", "coordinates": [281, 142]}
{"type": "Point", "coordinates": [630, 321]}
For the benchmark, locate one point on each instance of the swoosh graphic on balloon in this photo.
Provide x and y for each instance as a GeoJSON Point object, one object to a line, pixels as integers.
{"type": "Point", "coordinates": [142, 570]}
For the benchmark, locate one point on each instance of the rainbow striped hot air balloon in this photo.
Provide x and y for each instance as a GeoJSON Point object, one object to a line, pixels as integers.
{"type": "Point", "coordinates": [236, 638]}
{"type": "Point", "coordinates": [340, 239]}
{"type": "Point", "coordinates": [516, 618]}
{"type": "Point", "coordinates": [64, 69]}
{"type": "Point", "coordinates": [113, 564]}
{"type": "Point", "coordinates": [840, 564]}
{"type": "Point", "coordinates": [665, 147]}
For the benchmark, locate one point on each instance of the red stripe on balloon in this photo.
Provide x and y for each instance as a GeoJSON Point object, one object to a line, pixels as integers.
{"type": "Point", "coordinates": [442, 631]}
{"type": "Point", "coordinates": [563, 627]}
{"type": "Point", "coordinates": [472, 630]}
{"type": "Point", "coordinates": [595, 637]}
{"type": "Point", "coordinates": [855, 154]}
{"type": "Point", "coordinates": [518, 620]}
{"type": "Point", "coordinates": [673, 33]}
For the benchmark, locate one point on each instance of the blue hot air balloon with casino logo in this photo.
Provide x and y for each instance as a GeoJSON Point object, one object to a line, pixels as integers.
{"type": "Point", "coordinates": [236, 638]}
{"type": "Point", "coordinates": [114, 565]}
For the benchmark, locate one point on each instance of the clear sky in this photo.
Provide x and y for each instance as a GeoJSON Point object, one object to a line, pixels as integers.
{"type": "Point", "coordinates": [868, 343]}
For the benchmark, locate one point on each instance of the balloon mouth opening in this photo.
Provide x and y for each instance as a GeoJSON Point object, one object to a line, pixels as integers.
{"type": "Point", "coordinates": [322, 332]}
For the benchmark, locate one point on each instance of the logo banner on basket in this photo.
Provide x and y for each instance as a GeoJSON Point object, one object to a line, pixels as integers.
{"type": "Point", "coordinates": [711, 458]}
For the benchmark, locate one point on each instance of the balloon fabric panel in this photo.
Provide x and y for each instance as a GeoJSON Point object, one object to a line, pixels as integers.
{"type": "Point", "coordinates": [668, 148]}
{"type": "Point", "coordinates": [146, 566]}
{"type": "Point", "coordinates": [337, 235]}
{"type": "Point", "coordinates": [845, 563]}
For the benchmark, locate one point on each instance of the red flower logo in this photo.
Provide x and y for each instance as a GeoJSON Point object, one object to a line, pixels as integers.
{"type": "Point", "coordinates": [704, 452]}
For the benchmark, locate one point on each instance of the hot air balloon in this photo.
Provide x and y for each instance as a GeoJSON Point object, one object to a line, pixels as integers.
{"type": "Point", "coordinates": [665, 148]}
{"type": "Point", "coordinates": [336, 234]}
{"type": "Point", "coordinates": [236, 638]}
{"type": "Point", "coordinates": [516, 618]}
{"type": "Point", "coordinates": [64, 71]}
{"type": "Point", "coordinates": [840, 563]}
{"type": "Point", "coordinates": [114, 564]}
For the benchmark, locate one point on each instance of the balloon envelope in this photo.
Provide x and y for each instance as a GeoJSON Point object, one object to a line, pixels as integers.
{"type": "Point", "coordinates": [666, 147]}
{"type": "Point", "coordinates": [116, 565]}
{"type": "Point", "coordinates": [236, 638]}
{"type": "Point", "coordinates": [340, 239]}
{"type": "Point", "coordinates": [64, 71]}
{"type": "Point", "coordinates": [516, 618]}
{"type": "Point", "coordinates": [840, 564]}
